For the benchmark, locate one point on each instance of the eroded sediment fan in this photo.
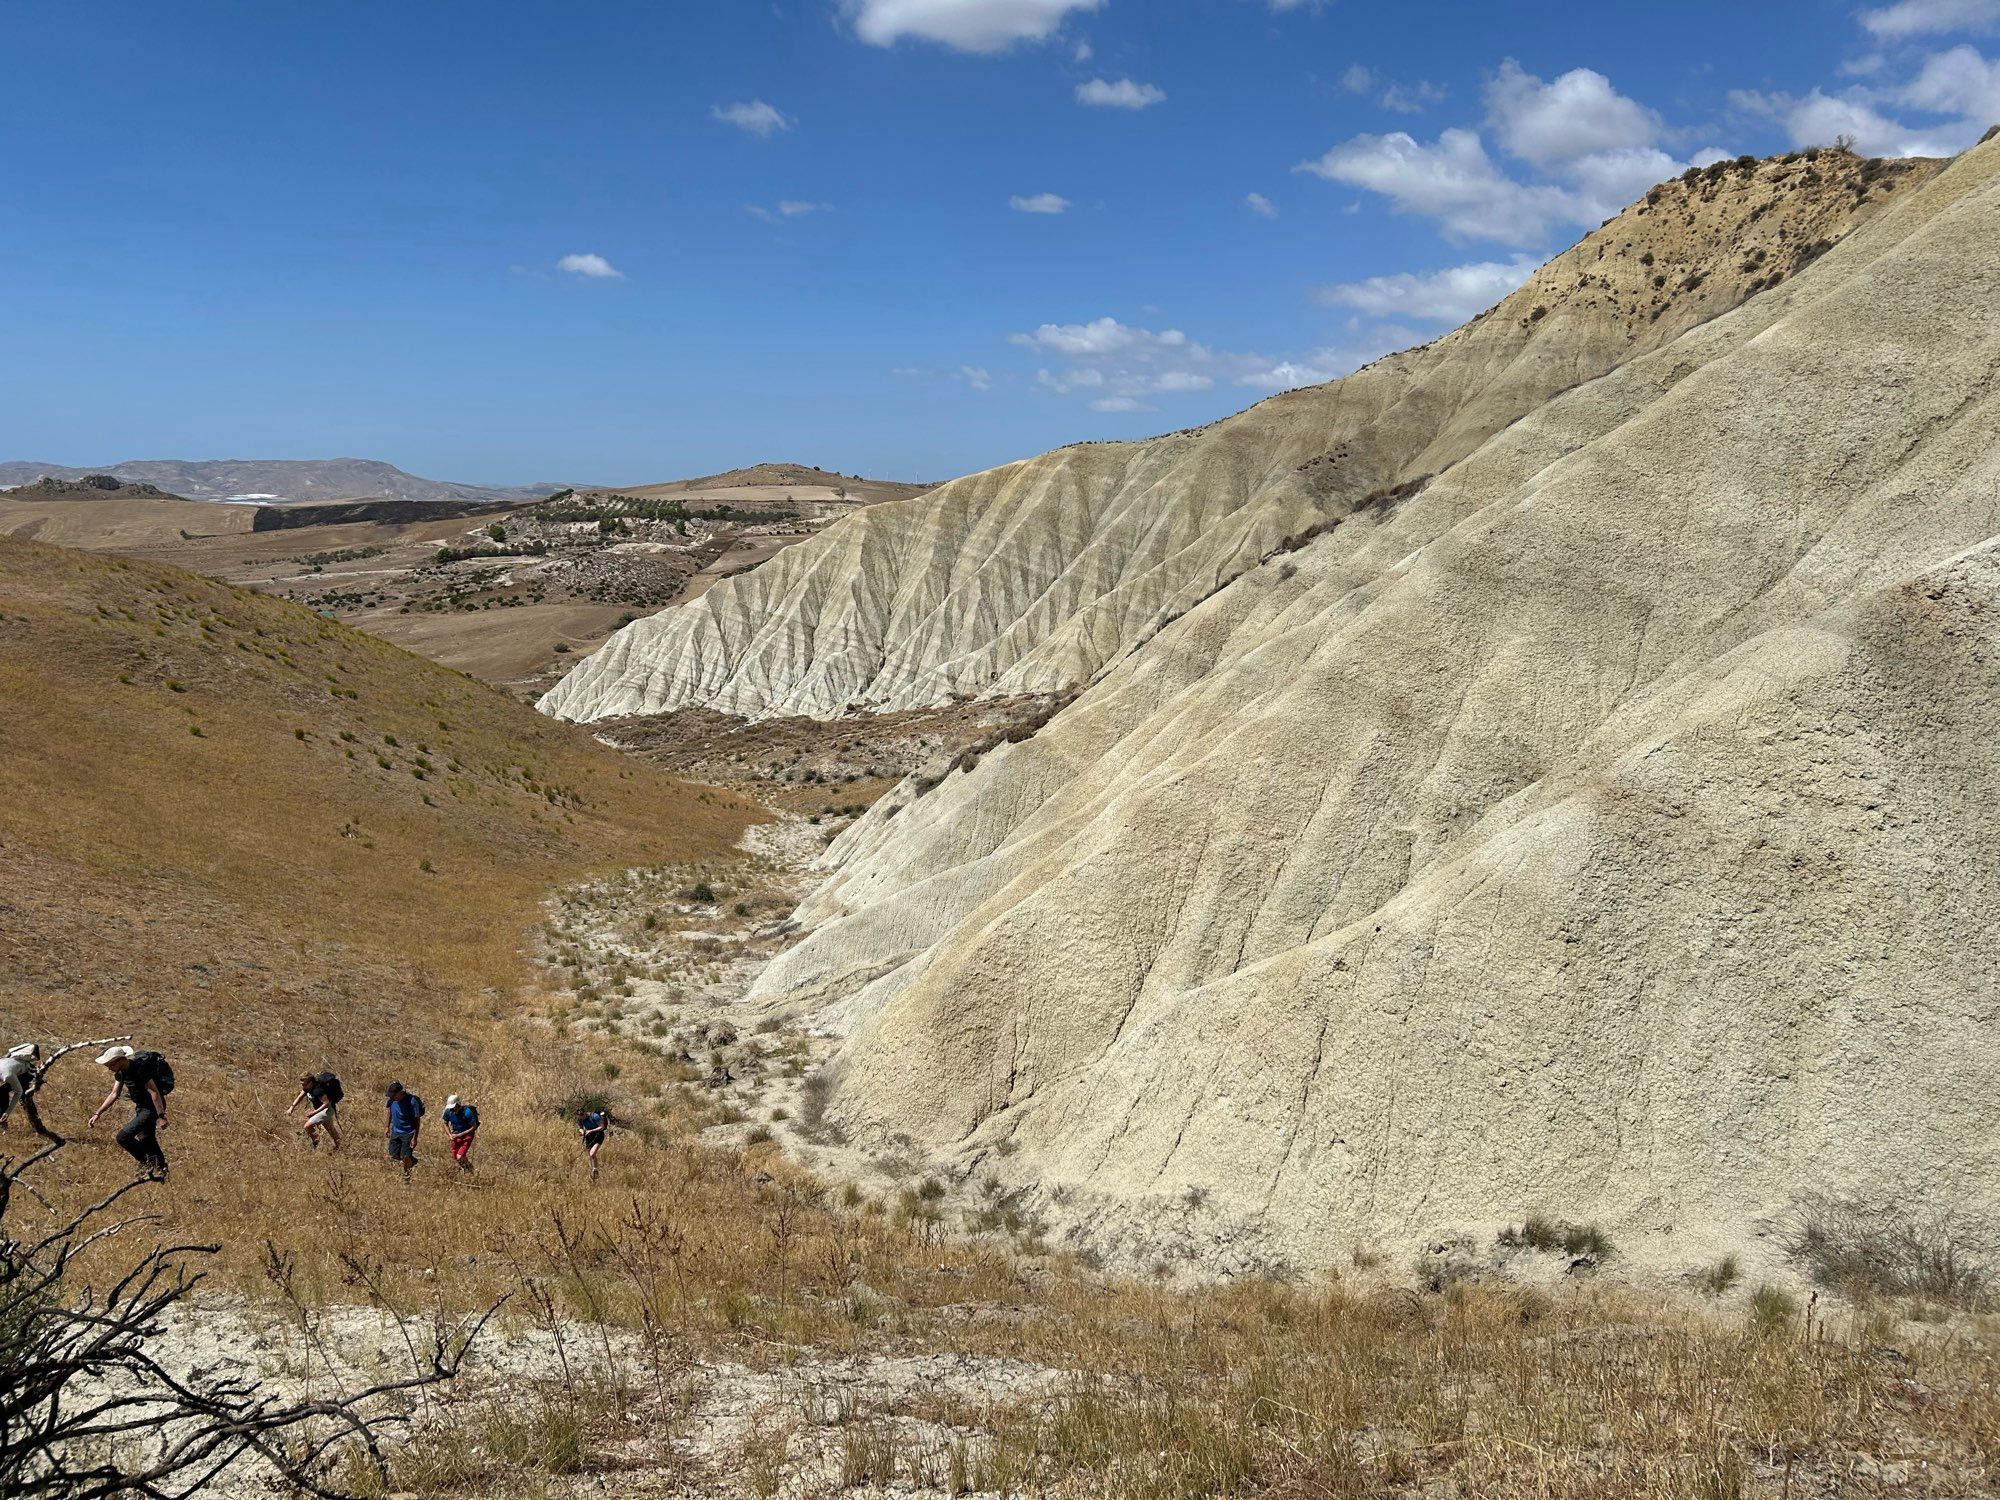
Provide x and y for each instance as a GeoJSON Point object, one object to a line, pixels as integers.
{"type": "Point", "coordinates": [1608, 828]}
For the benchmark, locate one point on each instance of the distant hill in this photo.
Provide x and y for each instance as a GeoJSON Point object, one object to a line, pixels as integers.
{"type": "Point", "coordinates": [804, 480]}
{"type": "Point", "coordinates": [279, 479]}
{"type": "Point", "coordinates": [89, 487]}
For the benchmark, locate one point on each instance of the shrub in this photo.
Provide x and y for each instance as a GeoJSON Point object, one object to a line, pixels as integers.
{"type": "Point", "coordinates": [815, 1093]}
{"type": "Point", "coordinates": [579, 1100]}
{"type": "Point", "coordinates": [1771, 1310]}
{"type": "Point", "coordinates": [1585, 1239]}
{"type": "Point", "coordinates": [1859, 1250]}
{"type": "Point", "coordinates": [703, 892]}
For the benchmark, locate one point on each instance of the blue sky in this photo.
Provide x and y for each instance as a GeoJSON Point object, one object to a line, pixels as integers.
{"type": "Point", "coordinates": [621, 242]}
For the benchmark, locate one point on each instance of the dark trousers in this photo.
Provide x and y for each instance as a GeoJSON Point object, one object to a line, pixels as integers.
{"type": "Point", "coordinates": [9, 1097]}
{"type": "Point", "coordinates": [141, 1141]}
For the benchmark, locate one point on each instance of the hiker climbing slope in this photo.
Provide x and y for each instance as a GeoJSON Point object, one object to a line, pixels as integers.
{"type": "Point", "coordinates": [19, 1078]}
{"type": "Point", "coordinates": [461, 1123]}
{"type": "Point", "coordinates": [323, 1092]}
{"type": "Point", "coordinates": [594, 1125]}
{"type": "Point", "coordinates": [146, 1078]}
{"type": "Point", "coordinates": [406, 1119]}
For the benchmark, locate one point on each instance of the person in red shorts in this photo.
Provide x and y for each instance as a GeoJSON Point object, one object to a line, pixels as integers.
{"type": "Point", "coordinates": [461, 1123]}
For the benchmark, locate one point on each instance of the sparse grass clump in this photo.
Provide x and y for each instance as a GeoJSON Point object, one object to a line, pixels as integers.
{"type": "Point", "coordinates": [1538, 1232]}
{"type": "Point", "coordinates": [1772, 1309]}
{"type": "Point", "coordinates": [1718, 1278]}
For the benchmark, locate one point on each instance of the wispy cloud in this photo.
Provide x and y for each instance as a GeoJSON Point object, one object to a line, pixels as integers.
{"type": "Point", "coordinates": [790, 208]}
{"type": "Point", "coordinates": [1102, 93]}
{"type": "Point", "coordinates": [1403, 98]}
{"type": "Point", "coordinates": [1258, 204]}
{"type": "Point", "coordinates": [754, 116]}
{"type": "Point", "coordinates": [1039, 203]}
{"type": "Point", "coordinates": [1911, 18]}
{"type": "Point", "coordinates": [980, 26]}
{"type": "Point", "coordinates": [1449, 296]}
{"type": "Point", "coordinates": [595, 267]}
{"type": "Point", "coordinates": [1121, 367]}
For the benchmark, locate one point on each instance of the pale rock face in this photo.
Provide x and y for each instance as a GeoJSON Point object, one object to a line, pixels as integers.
{"type": "Point", "coordinates": [1036, 577]}
{"type": "Point", "coordinates": [1609, 829]}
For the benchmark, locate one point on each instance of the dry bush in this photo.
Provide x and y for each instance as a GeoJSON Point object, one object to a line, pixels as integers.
{"type": "Point", "coordinates": [1863, 1250]}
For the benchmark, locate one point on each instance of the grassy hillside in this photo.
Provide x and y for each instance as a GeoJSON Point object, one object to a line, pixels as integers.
{"type": "Point", "coordinates": [263, 842]}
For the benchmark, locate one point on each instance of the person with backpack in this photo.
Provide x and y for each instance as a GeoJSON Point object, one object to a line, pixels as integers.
{"type": "Point", "coordinates": [461, 1122]}
{"type": "Point", "coordinates": [594, 1124]}
{"type": "Point", "coordinates": [406, 1118]}
{"type": "Point", "coordinates": [323, 1092]}
{"type": "Point", "coordinates": [20, 1076]}
{"type": "Point", "coordinates": [146, 1078]}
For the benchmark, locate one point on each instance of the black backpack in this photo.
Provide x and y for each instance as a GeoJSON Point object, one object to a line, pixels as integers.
{"type": "Point", "coordinates": [153, 1068]}
{"type": "Point", "coordinates": [330, 1088]}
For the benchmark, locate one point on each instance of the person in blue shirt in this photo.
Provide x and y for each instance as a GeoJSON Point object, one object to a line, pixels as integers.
{"type": "Point", "coordinates": [594, 1124]}
{"type": "Point", "coordinates": [406, 1118]}
{"type": "Point", "coordinates": [461, 1123]}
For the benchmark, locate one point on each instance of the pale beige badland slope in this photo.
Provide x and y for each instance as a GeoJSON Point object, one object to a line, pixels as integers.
{"type": "Point", "coordinates": [1608, 830]}
{"type": "Point", "coordinates": [1031, 578]}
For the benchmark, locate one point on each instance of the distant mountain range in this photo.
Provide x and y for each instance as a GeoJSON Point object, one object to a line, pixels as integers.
{"type": "Point", "coordinates": [276, 479]}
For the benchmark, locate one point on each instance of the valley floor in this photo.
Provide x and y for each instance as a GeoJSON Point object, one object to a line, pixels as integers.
{"type": "Point", "coordinates": [745, 1306]}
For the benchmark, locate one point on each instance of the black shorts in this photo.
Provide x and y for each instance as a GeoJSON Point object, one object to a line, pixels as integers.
{"type": "Point", "coordinates": [592, 1138]}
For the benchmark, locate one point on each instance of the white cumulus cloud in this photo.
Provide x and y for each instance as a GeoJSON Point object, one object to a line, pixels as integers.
{"type": "Point", "coordinates": [1958, 82]}
{"type": "Point", "coordinates": [752, 115]}
{"type": "Point", "coordinates": [593, 266]}
{"type": "Point", "coordinates": [983, 26]}
{"type": "Point", "coordinates": [1260, 205]}
{"type": "Point", "coordinates": [1589, 151]}
{"type": "Point", "coordinates": [1819, 119]}
{"type": "Point", "coordinates": [1099, 337]}
{"type": "Point", "coordinates": [1449, 296]}
{"type": "Point", "coordinates": [1932, 18]}
{"type": "Point", "coordinates": [1102, 93]}
{"type": "Point", "coordinates": [1578, 114]}
{"type": "Point", "coordinates": [1453, 181]}
{"type": "Point", "coordinates": [1039, 203]}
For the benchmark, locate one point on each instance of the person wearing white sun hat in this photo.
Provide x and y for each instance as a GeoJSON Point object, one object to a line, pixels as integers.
{"type": "Point", "coordinates": [461, 1123]}
{"type": "Point", "coordinates": [146, 1078]}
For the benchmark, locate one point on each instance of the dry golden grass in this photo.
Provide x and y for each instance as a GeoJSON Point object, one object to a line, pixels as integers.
{"type": "Point", "coordinates": [203, 891]}
{"type": "Point", "coordinates": [265, 843]}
